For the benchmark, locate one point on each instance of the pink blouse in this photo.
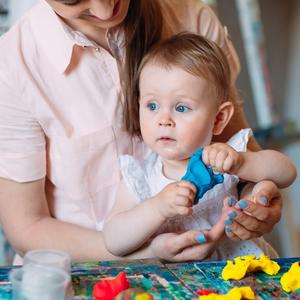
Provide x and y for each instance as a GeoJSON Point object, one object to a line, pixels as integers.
{"type": "Point", "coordinates": [61, 107]}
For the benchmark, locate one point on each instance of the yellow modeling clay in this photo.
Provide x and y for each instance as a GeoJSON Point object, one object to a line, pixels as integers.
{"type": "Point", "coordinates": [235, 271]}
{"type": "Point", "coordinates": [249, 263]}
{"type": "Point", "coordinates": [236, 293]}
{"type": "Point", "coordinates": [144, 296]}
{"type": "Point", "coordinates": [265, 264]}
{"type": "Point", "coordinates": [290, 281]}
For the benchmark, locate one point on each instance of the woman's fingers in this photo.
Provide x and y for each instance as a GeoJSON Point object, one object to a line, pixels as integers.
{"type": "Point", "coordinates": [230, 234]}
{"type": "Point", "coordinates": [193, 245]}
{"type": "Point", "coordinates": [178, 242]}
{"type": "Point", "coordinates": [265, 192]}
{"type": "Point", "coordinates": [184, 245]}
{"type": "Point", "coordinates": [256, 214]}
{"type": "Point", "coordinates": [237, 232]}
{"type": "Point", "coordinates": [270, 214]}
{"type": "Point", "coordinates": [204, 244]}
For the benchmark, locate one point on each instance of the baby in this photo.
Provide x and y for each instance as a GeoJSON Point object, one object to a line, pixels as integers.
{"type": "Point", "coordinates": [183, 97]}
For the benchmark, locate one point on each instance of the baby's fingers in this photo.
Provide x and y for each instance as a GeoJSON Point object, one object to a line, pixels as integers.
{"type": "Point", "coordinates": [228, 164]}
{"type": "Point", "coordinates": [191, 245]}
{"type": "Point", "coordinates": [220, 159]}
{"type": "Point", "coordinates": [185, 193]}
{"type": "Point", "coordinates": [217, 231]}
{"type": "Point", "coordinates": [184, 211]}
{"type": "Point", "coordinates": [212, 156]}
{"type": "Point", "coordinates": [205, 155]}
{"type": "Point", "coordinates": [187, 185]}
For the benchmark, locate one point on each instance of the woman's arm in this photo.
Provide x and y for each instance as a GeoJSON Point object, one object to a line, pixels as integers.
{"type": "Point", "coordinates": [28, 224]}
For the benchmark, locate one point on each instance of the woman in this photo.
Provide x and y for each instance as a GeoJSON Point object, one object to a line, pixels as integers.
{"type": "Point", "coordinates": [64, 71]}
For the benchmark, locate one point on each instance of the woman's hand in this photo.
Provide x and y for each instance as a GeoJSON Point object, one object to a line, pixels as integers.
{"type": "Point", "coordinates": [190, 245]}
{"type": "Point", "coordinates": [257, 212]}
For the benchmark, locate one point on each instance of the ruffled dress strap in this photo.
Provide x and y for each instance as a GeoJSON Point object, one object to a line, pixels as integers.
{"type": "Point", "coordinates": [136, 175]}
{"type": "Point", "coordinates": [240, 140]}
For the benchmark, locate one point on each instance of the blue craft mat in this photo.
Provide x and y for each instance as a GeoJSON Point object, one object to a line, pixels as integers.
{"type": "Point", "coordinates": [150, 275]}
{"type": "Point", "coordinates": [5, 287]}
{"type": "Point", "coordinates": [171, 281]}
{"type": "Point", "coordinates": [207, 275]}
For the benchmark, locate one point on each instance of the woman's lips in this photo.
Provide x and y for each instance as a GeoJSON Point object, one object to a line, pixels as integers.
{"type": "Point", "coordinates": [92, 17]}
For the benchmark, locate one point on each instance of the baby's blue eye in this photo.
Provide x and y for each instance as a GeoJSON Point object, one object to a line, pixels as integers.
{"type": "Point", "coordinates": [152, 106]}
{"type": "Point", "coordinates": [182, 108]}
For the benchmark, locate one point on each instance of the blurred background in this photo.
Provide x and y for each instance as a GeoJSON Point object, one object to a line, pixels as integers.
{"type": "Point", "coordinates": [266, 36]}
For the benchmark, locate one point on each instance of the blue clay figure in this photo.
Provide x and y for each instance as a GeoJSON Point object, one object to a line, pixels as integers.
{"type": "Point", "coordinates": [201, 175]}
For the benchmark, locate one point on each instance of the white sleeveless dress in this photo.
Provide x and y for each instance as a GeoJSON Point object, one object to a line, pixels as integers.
{"type": "Point", "coordinates": [144, 179]}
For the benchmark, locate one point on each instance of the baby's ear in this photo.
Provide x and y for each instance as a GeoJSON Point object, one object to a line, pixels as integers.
{"type": "Point", "coordinates": [223, 116]}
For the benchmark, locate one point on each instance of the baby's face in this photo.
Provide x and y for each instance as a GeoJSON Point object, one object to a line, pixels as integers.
{"type": "Point", "coordinates": [177, 111]}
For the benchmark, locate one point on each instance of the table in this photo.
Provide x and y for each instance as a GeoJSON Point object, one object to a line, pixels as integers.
{"type": "Point", "coordinates": [178, 281]}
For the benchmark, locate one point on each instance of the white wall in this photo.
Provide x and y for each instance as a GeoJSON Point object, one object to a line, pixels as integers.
{"type": "Point", "coordinates": [292, 109]}
{"type": "Point", "coordinates": [292, 103]}
{"type": "Point", "coordinates": [18, 7]}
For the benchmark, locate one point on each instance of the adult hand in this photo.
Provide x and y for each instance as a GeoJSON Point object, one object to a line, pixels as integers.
{"type": "Point", "coordinates": [257, 212]}
{"type": "Point", "coordinates": [190, 245]}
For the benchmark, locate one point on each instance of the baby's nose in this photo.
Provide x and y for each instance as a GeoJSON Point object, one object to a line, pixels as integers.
{"type": "Point", "coordinates": [166, 121]}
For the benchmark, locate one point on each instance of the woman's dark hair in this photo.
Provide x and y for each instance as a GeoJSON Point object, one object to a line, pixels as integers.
{"type": "Point", "coordinates": [143, 29]}
{"type": "Point", "coordinates": [192, 53]}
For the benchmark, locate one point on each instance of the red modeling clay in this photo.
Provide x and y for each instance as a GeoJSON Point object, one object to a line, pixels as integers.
{"type": "Point", "coordinates": [203, 292]}
{"type": "Point", "coordinates": [110, 288]}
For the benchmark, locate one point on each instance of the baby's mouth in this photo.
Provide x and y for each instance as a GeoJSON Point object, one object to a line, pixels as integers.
{"type": "Point", "coordinates": [166, 139]}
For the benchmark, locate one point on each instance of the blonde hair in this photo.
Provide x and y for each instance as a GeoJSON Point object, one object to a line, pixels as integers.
{"type": "Point", "coordinates": [192, 53]}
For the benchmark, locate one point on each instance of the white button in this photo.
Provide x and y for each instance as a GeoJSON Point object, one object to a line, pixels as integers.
{"type": "Point", "coordinates": [225, 30]}
{"type": "Point", "coordinates": [97, 49]}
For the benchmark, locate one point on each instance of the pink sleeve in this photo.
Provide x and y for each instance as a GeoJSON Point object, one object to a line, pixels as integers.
{"type": "Point", "coordinates": [22, 142]}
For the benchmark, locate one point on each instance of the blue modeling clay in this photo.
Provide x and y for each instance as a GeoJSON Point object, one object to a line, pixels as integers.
{"type": "Point", "coordinates": [201, 175]}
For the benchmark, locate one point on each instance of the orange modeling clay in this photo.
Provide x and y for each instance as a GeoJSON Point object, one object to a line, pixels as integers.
{"type": "Point", "coordinates": [110, 288]}
{"type": "Point", "coordinates": [290, 281]}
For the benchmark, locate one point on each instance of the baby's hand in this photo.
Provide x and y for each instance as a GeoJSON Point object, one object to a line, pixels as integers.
{"type": "Point", "coordinates": [175, 199]}
{"type": "Point", "coordinates": [222, 158]}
